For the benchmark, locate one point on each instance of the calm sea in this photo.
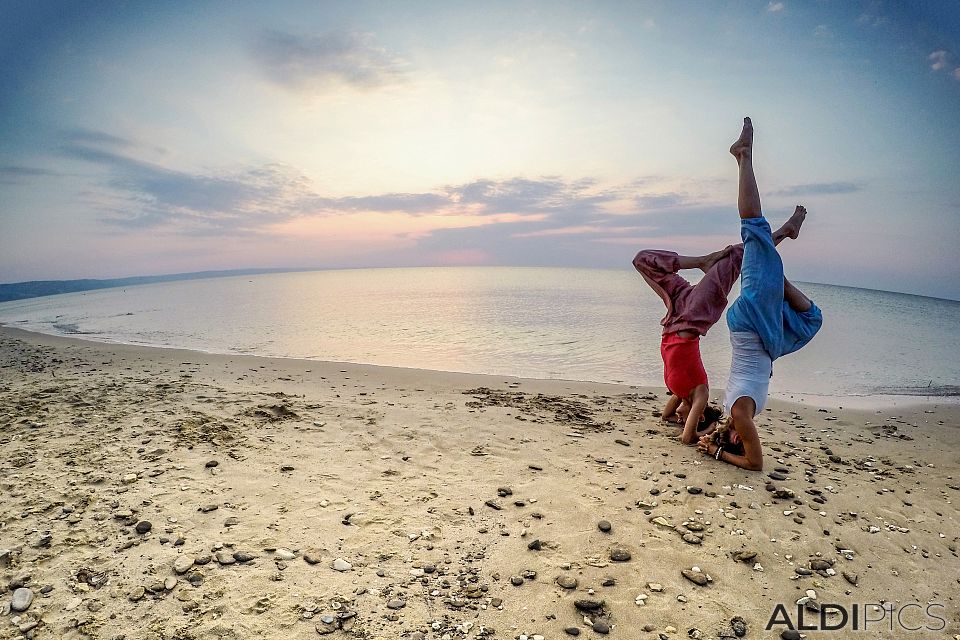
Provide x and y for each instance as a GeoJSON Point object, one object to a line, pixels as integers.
{"type": "Point", "coordinates": [582, 324]}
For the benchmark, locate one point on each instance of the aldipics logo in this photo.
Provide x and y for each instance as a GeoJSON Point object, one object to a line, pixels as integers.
{"type": "Point", "coordinates": [883, 616]}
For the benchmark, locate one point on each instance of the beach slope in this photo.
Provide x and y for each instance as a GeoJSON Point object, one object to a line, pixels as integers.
{"type": "Point", "coordinates": [161, 494]}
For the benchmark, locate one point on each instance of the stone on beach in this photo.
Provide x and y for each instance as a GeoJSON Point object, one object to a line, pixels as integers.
{"type": "Point", "coordinates": [22, 598]}
{"type": "Point", "coordinates": [619, 554]}
{"type": "Point", "coordinates": [696, 577]}
{"type": "Point", "coordinates": [567, 582]}
{"type": "Point", "coordinates": [284, 554]}
{"type": "Point", "coordinates": [182, 564]}
{"type": "Point", "coordinates": [586, 604]}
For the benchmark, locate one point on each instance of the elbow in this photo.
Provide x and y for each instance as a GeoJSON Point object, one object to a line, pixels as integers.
{"type": "Point", "coordinates": [687, 439]}
{"type": "Point", "coordinates": [755, 465]}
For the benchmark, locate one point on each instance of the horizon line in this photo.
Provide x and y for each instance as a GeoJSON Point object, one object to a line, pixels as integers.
{"type": "Point", "coordinates": [223, 273]}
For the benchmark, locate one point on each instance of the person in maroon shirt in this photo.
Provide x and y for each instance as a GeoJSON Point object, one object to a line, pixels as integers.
{"type": "Point", "coordinates": [691, 310]}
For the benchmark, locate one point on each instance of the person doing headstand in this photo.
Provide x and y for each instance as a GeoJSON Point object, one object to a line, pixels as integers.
{"type": "Point", "coordinates": [770, 319]}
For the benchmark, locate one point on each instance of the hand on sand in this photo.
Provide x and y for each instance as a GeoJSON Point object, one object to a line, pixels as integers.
{"type": "Point", "coordinates": [703, 445]}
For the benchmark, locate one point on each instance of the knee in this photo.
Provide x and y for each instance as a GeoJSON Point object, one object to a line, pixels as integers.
{"type": "Point", "coordinates": [640, 260]}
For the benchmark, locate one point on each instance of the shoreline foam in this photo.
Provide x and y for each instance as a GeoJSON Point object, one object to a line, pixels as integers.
{"type": "Point", "coordinates": [886, 399]}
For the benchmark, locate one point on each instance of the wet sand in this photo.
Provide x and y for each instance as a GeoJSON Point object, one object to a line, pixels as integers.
{"type": "Point", "coordinates": [290, 498]}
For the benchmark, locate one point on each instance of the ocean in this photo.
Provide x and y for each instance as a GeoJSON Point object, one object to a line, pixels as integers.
{"type": "Point", "coordinates": [579, 324]}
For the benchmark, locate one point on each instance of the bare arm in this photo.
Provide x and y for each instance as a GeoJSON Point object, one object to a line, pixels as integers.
{"type": "Point", "coordinates": [670, 409]}
{"type": "Point", "coordinates": [698, 402]}
{"type": "Point", "coordinates": [752, 460]}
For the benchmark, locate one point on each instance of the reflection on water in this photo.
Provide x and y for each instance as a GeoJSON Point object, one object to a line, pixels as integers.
{"type": "Point", "coordinates": [584, 324]}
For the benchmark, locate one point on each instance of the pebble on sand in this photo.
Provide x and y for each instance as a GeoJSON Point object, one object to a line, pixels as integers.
{"type": "Point", "coordinates": [586, 604]}
{"type": "Point", "coordinates": [696, 577]}
{"type": "Point", "coordinates": [182, 564]}
{"type": "Point", "coordinates": [341, 565]}
{"type": "Point", "coordinates": [284, 554]}
{"type": "Point", "coordinates": [22, 598]}
{"type": "Point", "coordinates": [619, 554]}
{"type": "Point", "coordinates": [567, 582]}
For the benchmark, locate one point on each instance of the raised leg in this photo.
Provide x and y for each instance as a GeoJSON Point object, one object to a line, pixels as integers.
{"type": "Point", "coordinates": [791, 228]}
{"type": "Point", "coordinates": [748, 196]}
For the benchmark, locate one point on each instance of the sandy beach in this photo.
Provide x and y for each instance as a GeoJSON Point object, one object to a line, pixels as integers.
{"type": "Point", "coordinates": [162, 494]}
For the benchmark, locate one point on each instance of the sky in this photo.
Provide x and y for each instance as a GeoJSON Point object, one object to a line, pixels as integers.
{"type": "Point", "coordinates": [141, 138]}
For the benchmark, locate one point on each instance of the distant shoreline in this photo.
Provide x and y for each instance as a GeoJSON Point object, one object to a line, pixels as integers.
{"type": "Point", "coordinates": [14, 291]}
{"type": "Point", "coordinates": [42, 288]}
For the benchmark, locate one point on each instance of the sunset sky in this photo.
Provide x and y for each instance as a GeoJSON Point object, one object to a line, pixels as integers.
{"type": "Point", "coordinates": [142, 138]}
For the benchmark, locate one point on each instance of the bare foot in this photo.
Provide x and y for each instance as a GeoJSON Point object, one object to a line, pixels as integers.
{"type": "Point", "coordinates": [744, 144]}
{"type": "Point", "coordinates": [711, 259]}
{"type": "Point", "coordinates": [791, 228]}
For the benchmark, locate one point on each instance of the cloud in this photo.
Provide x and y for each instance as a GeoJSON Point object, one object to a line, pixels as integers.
{"type": "Point", "coordinates": [659, 200]}
{"type": "Point", "coordinates": [82, 136]}
{"type": "Point", "coordinates": [956, 73]}
{"type": "Point", "coordinates": [317, 62]}
{"type": "Point", "coordinates": [822, 31]}
{"type": "Point", "coordinates": [412, 203]}
{"type": "Point", "coordinates": [12, 174]}
{"type": "Point", "coordinates": [938, 59]}
{"type": "Point", "coordinates": [138, 195]}
{"type": "Point", "coordinates": [544, 195]}
{"type": "Point", "coordinates": [696, 220]}
{"type": "Point", "coordinates": [89, 136]}
{"type": "Point", "coordinates": [871, 16]}
{"type": "Point", "coordinates": [818, 188]}
{"type": "Point", "coordinates": [603, 241]}
{"type": "Point", "coordinates": [135, 194]}
{"type": "Point", "coordinates": [774, 7]}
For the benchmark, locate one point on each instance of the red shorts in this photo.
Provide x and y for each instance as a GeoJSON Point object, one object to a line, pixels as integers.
{"type": "Point", "coordinates": [682, 367]}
